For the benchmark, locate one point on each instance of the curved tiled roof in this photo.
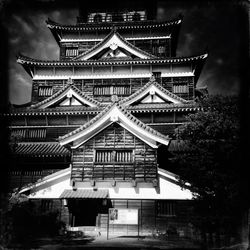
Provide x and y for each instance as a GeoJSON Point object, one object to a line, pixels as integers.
{"type": "Point", "coordinates": [112, 33]}
{"type": "Point", "coordinates": [178, 146]}
{"type": "Point", "coordinates": [125, 112]}
{"type": "Point", "coordinates": [88, 124]}
{"type": "Point", "coordinates": [159, 107]}
{"type": "Point", "coordinates": [63, 90]}
{"type": "Point", "coordinates": [40, 149]}
{"type": "Point", "coordinates": [108, 26]}
{"type": "Point", "coordinates": [165, 91]}
{"type": "Point", "coordinates": [26, 60]}
{"type": "Point", "coordinates": [72, 110]}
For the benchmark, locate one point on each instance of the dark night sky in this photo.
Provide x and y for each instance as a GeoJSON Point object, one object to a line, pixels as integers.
{"type": "Point", "coordinates": [214, 25]}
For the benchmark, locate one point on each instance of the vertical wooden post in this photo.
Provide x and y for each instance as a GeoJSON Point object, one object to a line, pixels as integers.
{"type": "Point", "coordinates": [138, 225]}
{"type": "Point", "coordinates": [108, 226]}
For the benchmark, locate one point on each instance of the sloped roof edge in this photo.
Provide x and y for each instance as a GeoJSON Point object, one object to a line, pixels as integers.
{"type": "Point", "coordinates": [74, 135]}
{"type": "Point", "coordinates": [109, 36]}
{"type": "Point", "coordinates": [60, 92]}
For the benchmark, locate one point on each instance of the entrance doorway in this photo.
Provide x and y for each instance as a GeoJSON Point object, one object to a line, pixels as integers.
{"type": "Point", "coordinates": [85, 211]}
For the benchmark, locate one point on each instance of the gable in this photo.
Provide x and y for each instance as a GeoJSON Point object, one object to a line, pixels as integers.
{"type": "Point", "coordinates": [116, 136]}
{"type": "Point", "coordinates": [68, 96]}
{"type": "Point", "coordinates": [116, 53]}
{"type": "Point", "coordinates": [114, 46]}
{"type": "Point", "coordinates": [152, 92]}
{"type": "Point", "coordinates": [114, 114]}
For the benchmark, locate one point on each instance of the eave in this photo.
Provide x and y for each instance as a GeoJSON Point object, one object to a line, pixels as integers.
{"type": "Point", "coordinates": [36, 62]}
{"type": "Point", "coordinates": [56, 28]}
{"type": "Point", "coordinates": [109, 25]}
{"type": "Point", "coordinates": [163, 108]}
{"type": "Point", "coordinates": [54, 111]}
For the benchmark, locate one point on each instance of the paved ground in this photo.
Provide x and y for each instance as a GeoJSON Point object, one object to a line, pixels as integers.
{"type": "Point", "coordinates": [101, 242]}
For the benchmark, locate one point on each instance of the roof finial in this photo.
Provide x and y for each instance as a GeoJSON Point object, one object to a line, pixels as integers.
{"type": "Point", "coordinates": [114, 98]}
{"type": "Point", "coordinates": [70, 81]}
{"type": "Point", "coordinates": [152, 78]}
{"type": "Point", "coordinates": [114, 28]}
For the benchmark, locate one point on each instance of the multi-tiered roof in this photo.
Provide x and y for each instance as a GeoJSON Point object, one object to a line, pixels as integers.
{"type": "Point", "coordinates": [113, 69]}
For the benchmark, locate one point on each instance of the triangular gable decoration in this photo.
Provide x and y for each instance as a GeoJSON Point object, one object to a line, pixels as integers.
{"type": "Point", "coordinates": [114, 114]}
{"type": "Point", "coordinates": [152, 92]}
{"type": "Point", "coordinates": [68, 96]}
{"type": "Point", "coordinates": [114, 46]}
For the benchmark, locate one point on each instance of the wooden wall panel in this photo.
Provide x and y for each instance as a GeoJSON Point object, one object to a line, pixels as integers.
{"type": "Point", "coordinates": [142, 165]}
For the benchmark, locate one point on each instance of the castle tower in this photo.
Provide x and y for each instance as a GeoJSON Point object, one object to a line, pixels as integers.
{"type": "Point", "coordinates": [102, 115]}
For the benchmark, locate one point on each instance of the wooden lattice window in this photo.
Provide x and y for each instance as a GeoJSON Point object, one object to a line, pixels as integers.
{"type": "Point", "coordinates": [45, 91]}
{"type": "Point", "coordinates": [98, 18]}
{"type": "Point", "coordinates": [112, 90]}
{"type": "Point", "coordinates": [29, 133]}
{"type": "Point", "coordinates": [110, 156]}
{"type": "Point", "coordinates": [165, 208]}
{"type": "Point", "coordinates": [136, 17]}
{"type": "Point", "coordinates": [117, 17]}
{"type": "Point", "coordinates": [46, 205]}
{"type": "Point", "coordinates": [71, 52]}
{"type": "Point", "coordinates": [161, 49]}
{"type": "Point", "coordinates": [19, 133]}
{"type": "Point", "coordinates": [182, 88]}
{"type": "Point", "coordinates": [36, 133]}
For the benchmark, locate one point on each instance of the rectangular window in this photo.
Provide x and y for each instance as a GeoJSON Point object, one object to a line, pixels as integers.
{"type": "Point", "coordinates": [45, 91]}
{"type": "Point", "coordinates": [29, 133]}
{"type": "Point", "coordinates": [111, 156]}
{"type": "Point", "coordinates": [180, 88]}
{"type": "Point", "coordinates": [36, 133]}
{"type": "Point", "coordinates": [157, 74]}
{"type": "Point", "coordinates": [46, 205]}
{"type": "Point", "coordinates": [161, 50]}
{"type": "Point", "coordinates": [112, 90]}
{"type": "Point", "coordinates": [165, 208]}
{"type": "Point", "coordinates": [71, 52]}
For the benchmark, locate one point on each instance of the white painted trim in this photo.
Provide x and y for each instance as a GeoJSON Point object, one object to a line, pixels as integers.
{"type": "Point", "coordinates": [48, 179]}
{"type": "Point", "coordinates": [65, 93]}
{"type": "Point", "coordinates": [168, 190]}
{"type": "Point", "coordinates": [109, 76]}
{"type": "Point", "coordinates": [126, 38]}
{"type": "Point", "coordinates": [106, 121]}
{"type": "Point", "coordinates": [155, 90]}
{"type": "Point", "coordinates": [114, 40]}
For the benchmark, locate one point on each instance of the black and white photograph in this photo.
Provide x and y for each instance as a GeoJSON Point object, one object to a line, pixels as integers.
{"type": "Point", "coordinates": [124, 124]}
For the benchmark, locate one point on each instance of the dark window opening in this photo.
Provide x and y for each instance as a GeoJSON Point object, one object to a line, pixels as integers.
{"type": "Point", "coordinates": [112, 90]}
{"type": "Point", "coordinates": [45, 91]}
{"type": "Point", "coordinates": [180, 88]}
{"type": "Point", "coordinates": [46, 205]}
{"type": "Point", "coordinates": [117, 18]}
{"type": "Point", "coordinates": [165, 208]}
{"type": "Point", "coordinates": [136, 17]}
{"type": "Point", "coordinates": [118, 156]}
{"type": "Point", "coordinates": [98, 18]}
{"type": "Point", "coordinates": [71, 52]}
